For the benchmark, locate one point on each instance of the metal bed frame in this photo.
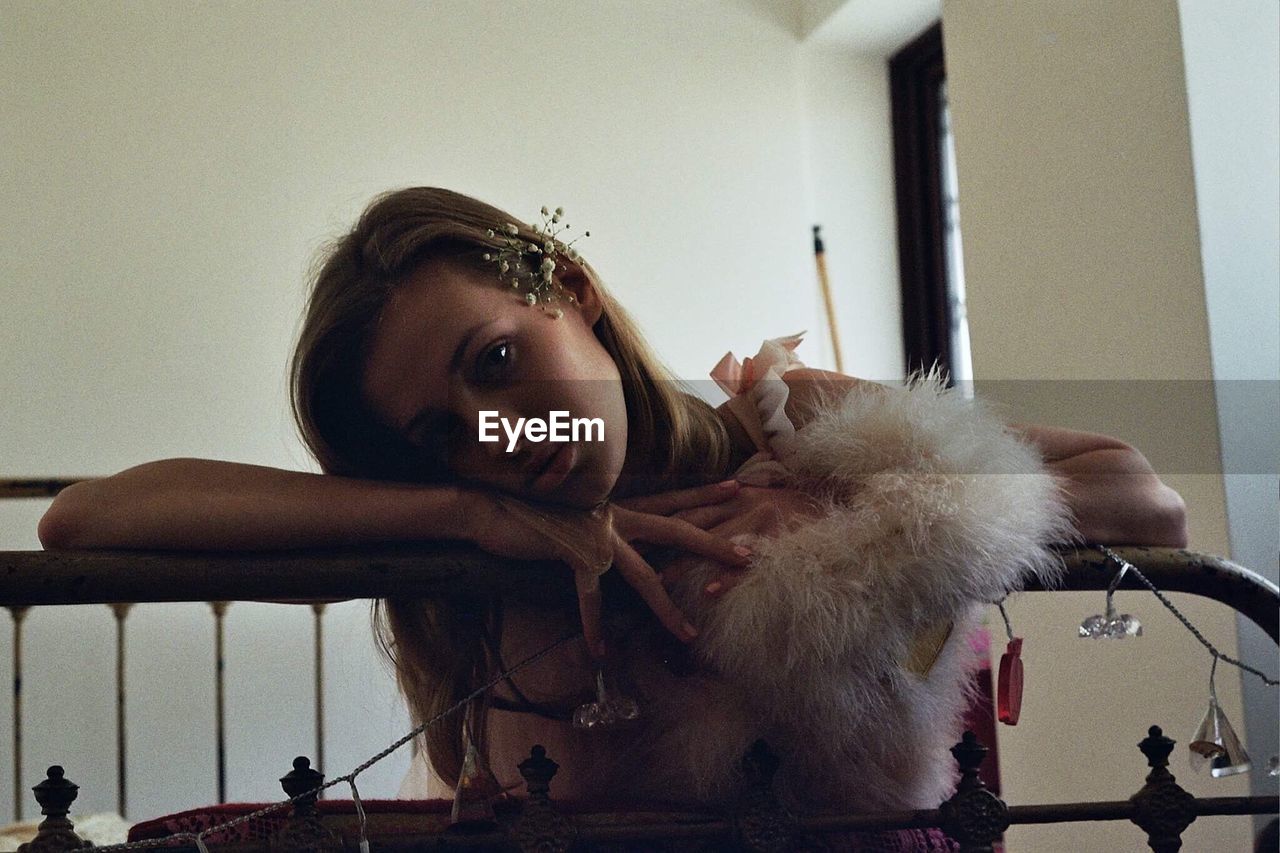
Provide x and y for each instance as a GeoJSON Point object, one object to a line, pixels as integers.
{"type": "Point", "coordinates": [973, 816]}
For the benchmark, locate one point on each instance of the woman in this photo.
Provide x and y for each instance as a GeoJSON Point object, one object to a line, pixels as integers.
{"type": "Point", "coordinates": [411, 332]}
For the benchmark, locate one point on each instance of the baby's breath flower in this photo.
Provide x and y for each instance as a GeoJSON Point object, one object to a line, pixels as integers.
{"type": "Point", "coordinates": [515, 258]}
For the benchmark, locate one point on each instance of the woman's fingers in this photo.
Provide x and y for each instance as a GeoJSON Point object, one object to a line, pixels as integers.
{"type": "Point", "coordinates": [664, 530]}
{"type": "Point", "coordinates": [665, 503]}
{"type": "Point", "coordinates": [722, 584]}
{"type": "Point", "coordinates": [646, 582]}
{"type": "Point", "coordinates": [707, 517]}
{"type": "Point", "coordinates": [718, 584]}
{"type": "Point", "coordinates": [675, 531]}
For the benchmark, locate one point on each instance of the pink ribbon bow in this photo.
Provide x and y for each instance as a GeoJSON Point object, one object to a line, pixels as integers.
{"type": "Point", "coordinates": [757, 397]}
{"type": "Point", "coordinates": [777, 354]}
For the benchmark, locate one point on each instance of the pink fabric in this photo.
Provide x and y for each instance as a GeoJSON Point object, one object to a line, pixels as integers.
{"type": "Point", "coordinates": [394, 821]}
{"type": "Point", "coordinates": [757, 398]}
{"type": "Point", "coordinates": [980, 642]}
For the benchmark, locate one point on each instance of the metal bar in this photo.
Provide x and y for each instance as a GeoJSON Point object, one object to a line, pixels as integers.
{"type": "Point", "coordinates": [432, 568]}
{"type": "Point", "coordinates": [121, 611]}
{"type": "Point", "coordinates": [1179, 570]}
{"type": "Point", "coordinates": [18, 614]}
{"type": "Point", "coordinates": [219, 697]}
{"type": "Point", "coordinates": [318, 609]}
{"type": "Point", "coordinates": [453, 568]}
{"type": "Point", "coordinates": [45, 487]}
{"type": "Point", "coordinates": [607, 828]}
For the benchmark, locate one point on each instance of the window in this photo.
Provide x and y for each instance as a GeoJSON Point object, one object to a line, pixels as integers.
{"type": "Point", "coordinates": [934, 328]}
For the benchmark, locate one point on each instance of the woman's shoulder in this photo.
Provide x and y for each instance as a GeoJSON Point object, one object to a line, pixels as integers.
{"type": "Point", "coordinates": [807, 389]}
{"type": "Point", "coordinates": [810, 388]}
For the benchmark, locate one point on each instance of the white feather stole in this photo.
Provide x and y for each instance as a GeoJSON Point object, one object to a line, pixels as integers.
{"type": "Point", "coordinates": [933, 510]}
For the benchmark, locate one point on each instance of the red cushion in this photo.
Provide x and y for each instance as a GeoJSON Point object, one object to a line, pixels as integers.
{"type": "Point", "coordinates": [384, 817]}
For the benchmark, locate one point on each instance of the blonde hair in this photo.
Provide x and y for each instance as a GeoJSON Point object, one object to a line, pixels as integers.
{"type": "Point", "coordinates": [443, 650]}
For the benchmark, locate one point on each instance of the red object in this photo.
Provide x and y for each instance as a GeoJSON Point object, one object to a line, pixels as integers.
{"type": "Point", "coordinates": [406, 822]}
{"type": "Point", "coordinates": [1009, 685]}
{"type": "Point", "coordinates": [980, 718]}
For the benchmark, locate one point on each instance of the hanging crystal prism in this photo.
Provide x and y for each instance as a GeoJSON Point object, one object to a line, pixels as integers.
{"type": "Point", "coordinates": [1215, 742]}
{"type": "Point", "coordinates": [609, 709]}
{"type": "Point", "coordinates": [1273, 766]}
{"type": "Point", "coordinates": [1111, 625]}
{"type": "Point", "coordinates": [477, 787]}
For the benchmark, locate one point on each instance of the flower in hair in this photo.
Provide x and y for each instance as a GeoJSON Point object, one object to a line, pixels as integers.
{"type": "Point", "coordinates": [531, 266]}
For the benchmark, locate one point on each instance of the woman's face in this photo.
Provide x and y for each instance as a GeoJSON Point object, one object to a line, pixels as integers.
{"type": "Point", "coordinates": [453, 342]}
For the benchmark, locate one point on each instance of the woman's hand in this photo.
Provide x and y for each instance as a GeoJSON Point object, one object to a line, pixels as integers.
{"type": "Point", "coordinates": [755, 510]}
{"type": "Point", "coordinates": [592, 542]}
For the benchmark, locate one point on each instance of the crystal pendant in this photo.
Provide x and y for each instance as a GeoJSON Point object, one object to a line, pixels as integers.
{"type": "Point", "coordinates": [1111, 625]}
{"type": "Point", "coordinates": [1009, 684]}
{"type": "Point", "coordinates": [477, 787]}
{"type": "Point", "coordinates": [1215, 744]}
{"type": "Point", "coordinates": [608, 709]}
{"type": "Point", "coordinates": [1273, 766]}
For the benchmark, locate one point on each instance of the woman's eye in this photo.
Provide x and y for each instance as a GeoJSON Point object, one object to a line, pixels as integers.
{"type": "Point", "coordinates": [493, 366]}
{"type": "Point", "coordinates": [496, 361]}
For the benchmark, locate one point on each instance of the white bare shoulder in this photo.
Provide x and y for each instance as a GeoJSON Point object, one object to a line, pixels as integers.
{"type": "Point", "coordinates": [809, 387]}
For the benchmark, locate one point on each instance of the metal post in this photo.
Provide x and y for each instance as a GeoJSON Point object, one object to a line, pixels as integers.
{"type": "Point", "coordinates": [219, 701]}
{"type": "Point", "coordinates": [18, 613]}
{"type": "Point", "coordinates": [121, 611]}
{"type": "Point", "coordinates": [318, 608]}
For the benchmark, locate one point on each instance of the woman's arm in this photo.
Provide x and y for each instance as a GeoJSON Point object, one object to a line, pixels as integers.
{"type": "Point", "coordinates": [202, 504]}
{"type": "Point", "coordinates": [1114, 493]}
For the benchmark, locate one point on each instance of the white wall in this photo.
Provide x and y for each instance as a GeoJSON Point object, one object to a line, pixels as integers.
{"type": "Point", "coordinates": [847, 119]}
{"type": "Point", "coordinates": [170, 171]}
{"type": "Point", "coordinates": [1232, 52]}
{"type": "Point", "coordinates": [849, 162]}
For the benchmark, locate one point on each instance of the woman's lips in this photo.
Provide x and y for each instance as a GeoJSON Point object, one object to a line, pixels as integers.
{"type": "Point", "coordinates": [558, 467]}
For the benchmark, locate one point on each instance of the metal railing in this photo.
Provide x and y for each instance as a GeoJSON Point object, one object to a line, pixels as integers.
{"type": "Point", "coordinates": [974, 816]}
